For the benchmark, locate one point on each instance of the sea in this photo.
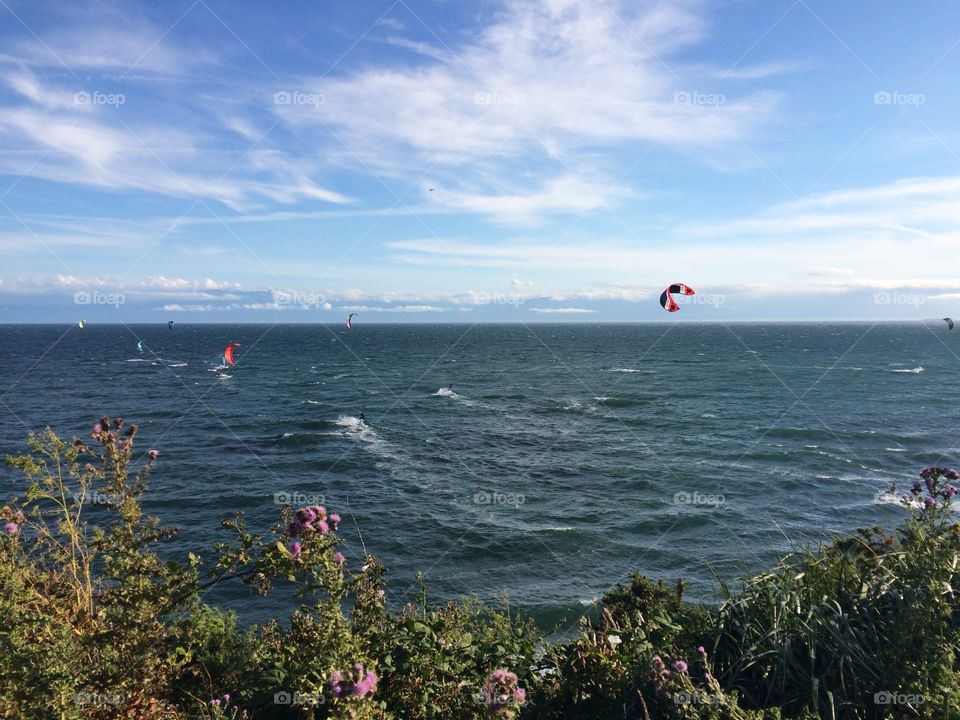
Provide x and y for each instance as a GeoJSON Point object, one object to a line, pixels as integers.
{"type": "Point", "coordinates": [534, 464]}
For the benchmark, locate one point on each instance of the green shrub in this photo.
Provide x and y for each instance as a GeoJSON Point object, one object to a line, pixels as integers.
{"type": "Point", "coordinates": [93, 624]}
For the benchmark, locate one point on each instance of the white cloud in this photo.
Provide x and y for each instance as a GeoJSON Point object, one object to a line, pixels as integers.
{"type": "Point", "coordinates": [543, 86]}
{"type": "Point", "coordinates": [562, 310]}
{"type": "Point", "coordinates": [62, 140]}
{"type": "Point", "coordinates": [177, 307]}
{"type": "Point", "coordinates": [394, 309]}
{"type": "Point", "coordinates": [831, 272]}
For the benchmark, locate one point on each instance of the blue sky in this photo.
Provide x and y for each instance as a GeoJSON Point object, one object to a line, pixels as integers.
{"type": "Point", "coordinates": [443, 161]}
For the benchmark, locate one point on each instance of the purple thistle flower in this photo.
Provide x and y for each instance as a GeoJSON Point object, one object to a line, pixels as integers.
{"type": "Point", "coordinates": [365, 686]}
{"type": "Point", "coordinates": [324, 528]}
{"type": "Point", "coordinates": [215, 703]}
{"type": "Point", "coordinates": [226, 697]}
{"type": "Point", "coordinates": [950, 491]}
{"type": "Point", "coordinates": [335, 681]}
{"type": "Point", "coordinates": [295, 550]}
{"type": "Point", "coordinates": [11, 528]}
{"type": "Point", "coordinates": [680, 666]}
{"type": "Point", "coordinates": [338, 558]}
{"type": "Point", "coordinates": [929, 502]}
{"type": "Point", "coordinates": [917, 488]}
{"type": "Point", "coordinates": [702, 650]}
{"type": "Point", "coordinates": [334, 520]}
{"type": "Point", "coordinates": [520, 694]}
{"type": "Point", "coordinates": [153, 454]}
{"type": "Point", "coordinates": [952, 474]}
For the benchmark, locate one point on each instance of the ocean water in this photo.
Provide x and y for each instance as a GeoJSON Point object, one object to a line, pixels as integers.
{"type": "Point", "coordinates": [563, 458]}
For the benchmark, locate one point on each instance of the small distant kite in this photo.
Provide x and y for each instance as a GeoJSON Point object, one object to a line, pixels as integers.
{"type": "Point", "coordinates": [949, 323]}
{"type": "Point", "coordinates": [666, 297]}
{"type": "Point", "coordinates": [170, 325]}
{"type": "Point", "coordinates": [81, 324]}
{"type": "Point", "coordinates": [350, 320]}
{"type": "Point", "coordinates": [228, 353]}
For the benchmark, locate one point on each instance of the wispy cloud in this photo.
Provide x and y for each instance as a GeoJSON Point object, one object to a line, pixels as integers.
{"type": "Point", "coordinates": [92, 136]}
{"type": "Point", "coordinates": [391, 309]}
{"type": "Point", "coordinates": [546, 81]}
{"type": "Point", "coordinates": [562, 311]}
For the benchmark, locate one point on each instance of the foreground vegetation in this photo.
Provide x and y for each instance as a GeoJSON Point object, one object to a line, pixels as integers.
{"type": "Point", "coordinates": [93, 624]}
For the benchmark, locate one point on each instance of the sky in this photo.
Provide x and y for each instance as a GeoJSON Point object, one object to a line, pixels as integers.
{"type": "Point", "coordinates": [440, 161]}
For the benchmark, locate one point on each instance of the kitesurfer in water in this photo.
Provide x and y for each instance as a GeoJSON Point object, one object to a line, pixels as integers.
{"type": "Point", "coordinates": [363, 420]}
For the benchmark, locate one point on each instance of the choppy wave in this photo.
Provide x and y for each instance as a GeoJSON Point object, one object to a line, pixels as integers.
{"type": "Point", "coordinates": [525, 425]}
{"type": "Point", "coordinates": [614, 402]}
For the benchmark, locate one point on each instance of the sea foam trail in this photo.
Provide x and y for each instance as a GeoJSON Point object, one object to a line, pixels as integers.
{"type": "Point", "coordinates": [353, 424]}
{"type": "Point", "coordinates": [355, 428]}
{"type": "Point", "coordinates": [452, 394]}
{"type": "Point", "coordinates": [916, 370]}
